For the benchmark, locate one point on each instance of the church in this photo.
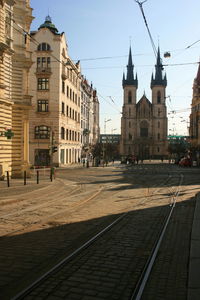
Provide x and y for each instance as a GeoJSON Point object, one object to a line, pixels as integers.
{"type": "Point", "coordinates": [144, 123]}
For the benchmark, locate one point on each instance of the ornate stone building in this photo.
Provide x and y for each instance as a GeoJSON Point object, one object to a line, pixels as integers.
{"type": "Point", "coordinates": [195, 114]}
{"type": "Point", "coordinates": [144, 123]}
{"type": "Point", "coordinates": [89, 117]}
{"type": "Point", "coordinates": [6, 52]}
{"type": "Point", "coordinates": [15, 101]}
{"type": "Point", "coordinates": [55, 133]}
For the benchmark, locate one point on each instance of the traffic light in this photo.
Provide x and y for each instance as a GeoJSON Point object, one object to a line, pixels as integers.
{"type": "Point", "coordinates": [54, 149]}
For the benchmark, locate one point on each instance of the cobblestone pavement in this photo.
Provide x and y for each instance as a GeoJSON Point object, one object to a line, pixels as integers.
{"type": "Point", "coordinates": [35, 248]}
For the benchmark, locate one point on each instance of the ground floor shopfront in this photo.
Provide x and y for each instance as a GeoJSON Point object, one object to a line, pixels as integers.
{"type": "Point", "coordinates": [63, 156]}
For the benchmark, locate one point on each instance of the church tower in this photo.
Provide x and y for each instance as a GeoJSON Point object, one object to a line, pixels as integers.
{"type": "Point", "coordinates": [130, 84]}
{"type": "Point", "coordinates": [158, 87]}
{"type": "Point", "coordinates": [144, 123]}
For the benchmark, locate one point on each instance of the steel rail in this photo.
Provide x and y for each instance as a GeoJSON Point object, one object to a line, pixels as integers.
{"type": "Point", "coordinates": [139, 289]}
{"type": "Point", "coordinates": [26, 291]}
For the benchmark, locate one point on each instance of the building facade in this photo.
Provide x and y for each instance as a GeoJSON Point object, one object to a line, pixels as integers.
{"type": "Point", "coordinates": [55, 132]}
{"type": "Point", "coordinates": [6, 52]}
{"type": "Point", "coordinates": [144, 123]}
{"type": "Point", "coordinates": [89, 117]}
{"type": "Point", "coordinates": [195, 114]}
{"type": "Point", "coordinates": [21, 63]}
{"type": "Point", "coordinates": [15, 100]}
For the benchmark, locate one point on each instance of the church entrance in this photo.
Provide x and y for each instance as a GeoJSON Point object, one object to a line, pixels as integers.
{"type": "Point", "coordinates": [144, 152]}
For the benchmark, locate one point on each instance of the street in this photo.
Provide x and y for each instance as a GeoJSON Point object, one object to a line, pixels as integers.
{"type": "Point", "coordinates": [41, 226]}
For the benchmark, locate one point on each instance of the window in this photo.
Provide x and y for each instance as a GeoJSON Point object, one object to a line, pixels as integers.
{"type": "Point", "coordinates": [158, 136]}
{"type": "Point", "coordinates": [67, 91]}
{"type": "Point", "coordinates": [63, 86]}
{"type": "Point", "coordinates": [67, 112]}
{"type": "Point", "coordinates": [158, 149]}
{"type": "Point", "coordinates": [42, 132]}
{"type": "Point", "coordinates": [67, 134]}
{"type": "Point", "coordinates": [63, 108]}
{"type": "Point", "coordinates": [129, 97]}
{"type": "Point", "coordinates": [129, 124]}
{"type": "Point", "coordinates": [43, 105]}
{"type": "Point", "coordinates": [43, 84]}
{"type": "Point", "coordinates": [158, 97]}
{"type": "Point", "coordinates": [62, 156]}
{"type": "Point", "coordinates": [159, 112]}
{"type": "Point", "coordinates": [43, 62]}
{"type": "Point", "coordinates": [44, 47]}
{"type": "Point", "coordinates": [62, 133]}
{"type": "Point", "coordinates": [144, 129]}
{"type": "Point", "coordinates": [158, 124]}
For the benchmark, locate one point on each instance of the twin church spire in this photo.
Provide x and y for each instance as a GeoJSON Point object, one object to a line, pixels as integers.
{"type": "Point", "coordinates": [130, 80]}
{"type": "Point", "coordinates": [159, 79]}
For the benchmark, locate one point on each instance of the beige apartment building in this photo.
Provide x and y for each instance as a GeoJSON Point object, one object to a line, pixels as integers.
{"type": "Point", "coordinates": [144, 123]}
{"type": "Point", "coordinates": [89, 118]}
{"type": "Point", "coordinates": [15, 101]}
{"type": "Point", "coordinates": [195, 116]}
{"type": "Point", "coordinates": [55, 132]}
{"type": "Point", "coordinates": [6, 52]}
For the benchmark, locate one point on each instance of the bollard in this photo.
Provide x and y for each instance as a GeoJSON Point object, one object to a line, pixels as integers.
{"type": "Point", "coordinates": [37, 177]}
{"type": "Point", "coordinates": [24, 177]}
{"type": "Point", "coordinates": [51, 174]}
{"type": "Point", "coordinates": [8, 179]}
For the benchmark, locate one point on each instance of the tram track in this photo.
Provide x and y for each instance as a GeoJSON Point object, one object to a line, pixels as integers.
{"type": "Point", "coordinates": [81, 252]}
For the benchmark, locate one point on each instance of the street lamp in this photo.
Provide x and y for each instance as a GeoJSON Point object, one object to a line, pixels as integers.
{"type": "Point", "coordinates": [113, 129]}
{"type": "Point", "coordinates": [105, 121]}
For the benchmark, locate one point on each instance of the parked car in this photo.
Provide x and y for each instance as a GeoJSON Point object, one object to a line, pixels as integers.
{"type": "Point", "coordinates": [185, 162]}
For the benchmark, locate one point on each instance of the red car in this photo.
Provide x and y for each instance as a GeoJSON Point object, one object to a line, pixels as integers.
{"type": "Point", "coordinates": [185, 162]}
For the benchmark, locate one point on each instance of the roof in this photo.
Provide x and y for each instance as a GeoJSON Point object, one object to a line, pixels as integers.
{"type": "Point", "coordinates": [48, 24]}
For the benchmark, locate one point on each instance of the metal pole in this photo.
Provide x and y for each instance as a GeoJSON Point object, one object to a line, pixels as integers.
{"type": "Point", "coordinates": [37, 177]}
{"type": "Point", "coordinates": [24, 177]}
{"type": "Point", "coordinates": [8, 179]}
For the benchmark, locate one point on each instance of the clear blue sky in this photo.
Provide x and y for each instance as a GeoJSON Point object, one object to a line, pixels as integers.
{"type": "Point", "coordinates": [105, 28]}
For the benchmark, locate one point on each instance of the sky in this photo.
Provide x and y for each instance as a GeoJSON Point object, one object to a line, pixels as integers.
{"type": "Point", "coordinates": [99, 34]}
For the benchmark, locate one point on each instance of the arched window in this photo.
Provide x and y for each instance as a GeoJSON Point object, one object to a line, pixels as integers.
{"type": "Point", "coordinates": [129, 97]}
{"type": "Point", "coordinates": [62, 133]}
{"type": "Point", "coordinates": [144, 129]}
{"type": "Point", "coordinates": [158, 97]}
{"type": "Point", "coordinates": [44, 47]}
{"type": "Point", "coordinates": [42, 132]}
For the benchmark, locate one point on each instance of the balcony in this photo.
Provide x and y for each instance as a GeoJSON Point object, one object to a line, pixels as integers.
{"type": "Point", "coordinates": [43, 70]}
{"type": "Point", "coordinates": [64, 73]}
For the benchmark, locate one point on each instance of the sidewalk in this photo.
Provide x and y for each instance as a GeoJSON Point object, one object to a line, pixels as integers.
{"type": "Point", "coordinates": [194, 260]}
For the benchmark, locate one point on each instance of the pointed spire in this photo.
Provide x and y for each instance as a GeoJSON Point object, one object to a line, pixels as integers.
{"type": "Point", "coordinates": [130, 73]}
{"type": "Point", "coordinates": [159, 79]}
{"type": "Point", "coordinates": [198, 75]}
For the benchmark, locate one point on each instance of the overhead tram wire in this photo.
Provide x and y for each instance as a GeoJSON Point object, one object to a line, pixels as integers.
{"type": "Point", "coordinates": [58, 60]}
{"type": "Point", "coordinates": [146, 24]}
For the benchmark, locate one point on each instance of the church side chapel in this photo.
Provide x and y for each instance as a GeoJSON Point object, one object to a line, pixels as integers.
{"type": "Point", "coordinates": [144, 123]}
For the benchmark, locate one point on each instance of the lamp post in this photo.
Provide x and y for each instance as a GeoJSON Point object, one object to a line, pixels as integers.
{"type": "Point", "coordinates": [105, 121]}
